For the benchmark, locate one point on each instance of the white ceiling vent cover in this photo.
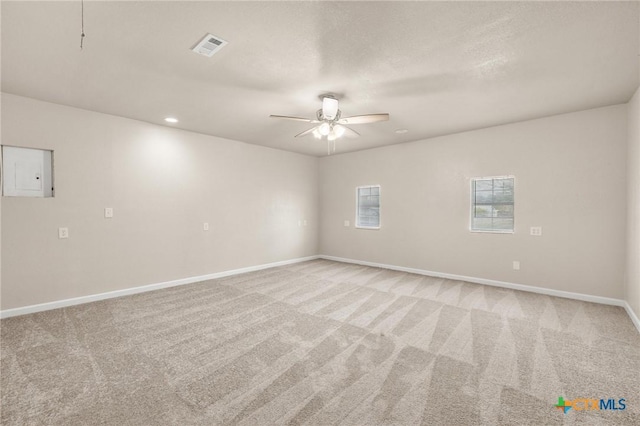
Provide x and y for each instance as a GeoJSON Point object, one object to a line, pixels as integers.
{"type": "Point", "coordinates": [209, 45]}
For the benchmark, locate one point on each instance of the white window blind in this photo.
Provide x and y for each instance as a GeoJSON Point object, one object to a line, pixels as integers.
{"type": "Point", "coordinates": [368, 207]}
{"type": "Point", "coordinates": [492, 204]}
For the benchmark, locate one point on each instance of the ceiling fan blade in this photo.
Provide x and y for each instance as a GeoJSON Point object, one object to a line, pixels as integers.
{"type": "Point", "coordinates": [350, 133]}
{"type": "Point", "coordinates": [364, 119]}
{"type": "Point", "coordinates": [340, 130]}
{"type": "Point", "coordinates": [306, 132]}
{"type": "Point", "coordinates": [286, 117]}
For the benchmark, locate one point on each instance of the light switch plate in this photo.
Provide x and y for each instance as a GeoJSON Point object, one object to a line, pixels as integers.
{"type": "Point", "coordinates": [516, 265]}
{"type": "Point", "coordinates": [108, 212]}
{"type": "Point", "coordinates": [63, 233]}
{"type": "Point", "coordinates": [205, 226]}
{"type": "Point", "coordinates": [347, 223]}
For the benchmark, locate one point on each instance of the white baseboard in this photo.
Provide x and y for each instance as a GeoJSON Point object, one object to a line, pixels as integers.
{"type": "Point", "coordinates": [134, 290]}
{"type": "Point", "coordinates": [632, 315]}
{"type": "Point", "coordinates": [522, 287]}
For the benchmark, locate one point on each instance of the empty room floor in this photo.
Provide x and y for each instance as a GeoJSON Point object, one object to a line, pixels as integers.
{"type": "Point", "coordinates": [320, 343]}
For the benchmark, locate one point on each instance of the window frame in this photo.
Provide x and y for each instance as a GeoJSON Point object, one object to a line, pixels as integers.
{"type": "Point", "coordinates": [473, 206]}
{"type": "Point", "coordinates": [357, 223]}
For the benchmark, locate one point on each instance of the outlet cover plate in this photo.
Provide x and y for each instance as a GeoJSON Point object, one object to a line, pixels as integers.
{"type": "Point", "coordinates": [63, 233]}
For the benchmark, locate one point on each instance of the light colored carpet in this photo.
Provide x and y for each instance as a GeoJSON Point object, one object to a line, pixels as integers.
{"type": "Point", "coordinates": [320, 343]}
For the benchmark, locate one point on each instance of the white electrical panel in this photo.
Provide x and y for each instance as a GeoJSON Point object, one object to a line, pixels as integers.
{"type": "Point", "coordinates": [27, 172]}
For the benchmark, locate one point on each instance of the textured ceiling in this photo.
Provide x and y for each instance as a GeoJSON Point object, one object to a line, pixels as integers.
{"type": "Point", "coordinates": [436, 67]}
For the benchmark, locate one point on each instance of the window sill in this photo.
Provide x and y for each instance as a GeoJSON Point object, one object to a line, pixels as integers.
{"type": "Point", "coordinates": [375, 228]}
{"type": "Point", "coordinates": [478, 231]}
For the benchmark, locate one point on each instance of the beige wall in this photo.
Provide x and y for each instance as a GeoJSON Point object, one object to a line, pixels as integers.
{"type": "Point", "coordinates": [633, 212]}
{"type": "Point", "coordinates": [570, 179]}
{"type": "Point", "coordinates": [163, 184]}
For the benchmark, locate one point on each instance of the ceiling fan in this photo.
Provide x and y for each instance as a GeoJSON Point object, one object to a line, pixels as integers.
{"type": "Point", "coordinates": [330, 123]}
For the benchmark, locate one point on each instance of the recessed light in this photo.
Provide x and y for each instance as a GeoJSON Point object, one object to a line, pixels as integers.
{"type": "Point", "coordinates": [171, 120]}
{"type": "Point", "coordinates": [401, 131]}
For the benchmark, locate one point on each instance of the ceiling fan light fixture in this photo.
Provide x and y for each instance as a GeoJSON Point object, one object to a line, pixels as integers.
{"type": "Point", "coordinates": [324, 129]}
{"type": "Point", "coordinates": [338, 131]}
{"type": "Point", "coordinates": [316, 133]}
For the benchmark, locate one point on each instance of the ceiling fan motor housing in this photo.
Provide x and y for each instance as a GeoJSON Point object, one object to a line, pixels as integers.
{"type": "Point", "coordinates": [321, 117]}
{"type": "Point", "coordinates": [329, 108]}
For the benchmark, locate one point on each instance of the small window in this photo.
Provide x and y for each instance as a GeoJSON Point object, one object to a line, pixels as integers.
{"type": "Point", "coordinates": [492, 204]}
{"type": "Point", "coordinates": [368, 207]}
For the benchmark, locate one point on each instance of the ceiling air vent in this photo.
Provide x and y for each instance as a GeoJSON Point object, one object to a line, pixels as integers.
{"type": "Point", "coordinates": [209, 45]}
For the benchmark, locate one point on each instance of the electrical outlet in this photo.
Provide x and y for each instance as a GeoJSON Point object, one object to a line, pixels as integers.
{"type": "Point", "coordinates": [347, 223]}
{"type": "Point", "coordinates": [108, 212]}
{"type": "Point", "coordinates": [516, 265]}
{"type": "Point", "coordinates": [205, 226]}
{"type": "Point", "coordinates": [536, 231]}
{"type": "Point", "coordinates": [63, 233]}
